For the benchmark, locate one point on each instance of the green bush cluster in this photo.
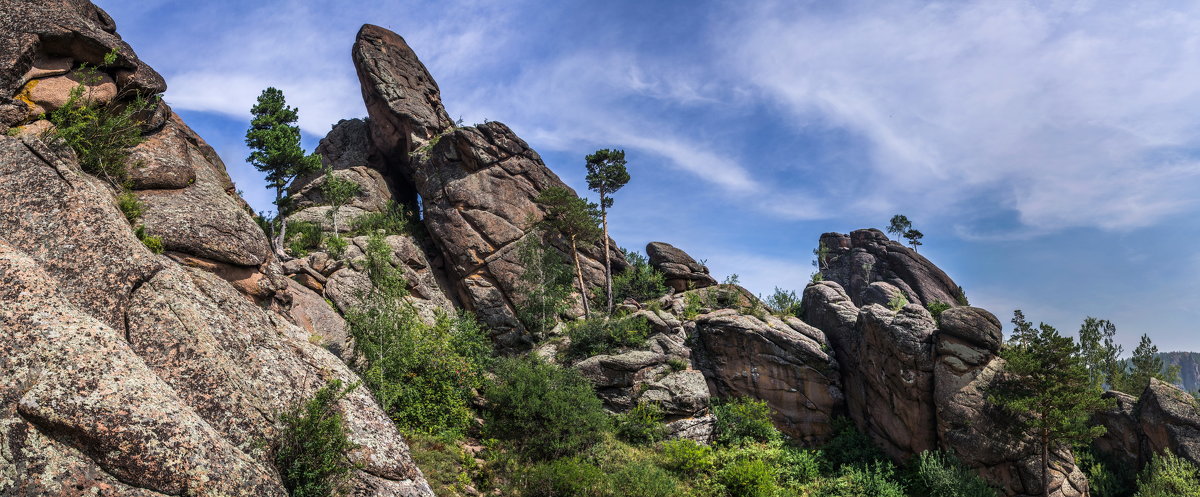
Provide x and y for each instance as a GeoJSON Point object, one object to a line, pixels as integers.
{"type": "Point", "coordinates": [641, 425]}
{"type": "Point", "coordinates": [154, 243]}
{"type": "Point", "coordinates": [394, 219]}
{"type": "Point", "coordinates": [303, 237]}
{"type": "Point", "coordinates": [545, 285]}
{"type": "Point", "coordinates": [640, 281]}
{"type": "Point", "coordinates": [742, 420]}
{"type": "Point", "coordinates": [1106, 478]}
{"type": "Point", "coordinates": [936, 308]}
{"type": "Point", "coordinates": [784, 303]}
{"type": "Point", "coordinates": [601, 335]}
{"type": "Point", "coordinates": [939, 474]}
{"type": "Point", "coordinates": [335, 246]}
{"type": "Point", "coordinates": [542, 410]}
{"type": "Point", "coordinates": [1168, 475]}
{"type": "Point", "coordinates": [311, 451]}
{"type": "Point", "coordinates": [692, 305]}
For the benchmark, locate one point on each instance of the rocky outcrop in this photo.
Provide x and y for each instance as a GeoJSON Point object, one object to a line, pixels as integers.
{"type": "Point", "coordinates": [476, 184]}
{"type": "Point", "coordinates": [781, 361]}
{"type": "Point", "coordinates": [141, 374]}
{"type": "Point", "coordinates": [1163, 418]}
{"type": "Point", "coordinates": [866, 256]}
{"type": "Point", "coordinates": [680, 271]}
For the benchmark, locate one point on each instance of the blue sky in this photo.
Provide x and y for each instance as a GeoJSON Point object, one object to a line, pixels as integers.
{"type": "Point", "coordinates": [1048, 150]}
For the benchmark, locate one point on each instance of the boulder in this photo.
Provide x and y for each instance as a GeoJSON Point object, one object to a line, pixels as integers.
{"type": "Point", "coordinates": [863, 257]}
{"type": "Point", "coordinates": [350, 154]}
{"type": "Point", "coordinates": [45, 39]}
{"type": "Point", "coordinates": [1169, 418]}
{"type": "Point", "coordinates": [679, 269]}
{"type": "Point", "coordinates": [774, 361]}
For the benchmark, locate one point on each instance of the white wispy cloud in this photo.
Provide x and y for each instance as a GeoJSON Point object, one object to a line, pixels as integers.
{"type": "Point", "coordinates": [1081, 114]}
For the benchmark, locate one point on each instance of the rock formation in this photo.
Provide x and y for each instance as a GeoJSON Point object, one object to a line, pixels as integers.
{"type": "Point", "coordinates": [680, 271]}
{"type": "Point", "coordinates": [866, 256]}
{"type": "Point", "coordinates": [131, 373]}
{"type": "Point", "coordinates": [1162, 418]}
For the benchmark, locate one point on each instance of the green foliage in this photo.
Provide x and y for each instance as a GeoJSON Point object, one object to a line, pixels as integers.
{"type": "Point", "coordinates": [1106, 478]}
{"type": "Point", "coordinates": [337, 192]}
{"type": "Point", "coordinates": [394, 219]}
{"type": "Point", "coordinates": [641, 425]}
{"type": "Point", "coordinates": [640, 281]}
{"type": "Point", "coordinates": [876, 480]}
{"type": "Point", "coordinates": [606, 174]}
{"type": "Point", "coordinates": [599, 335]}
{"type": "Point", "coordinates": [311, 450]}
{"type": "Point", "coordinates": [940, 474]}
{"type": "Point", "coordinates": [130, 206]}
{"type": "Point", "coordinates": [850, 447]}
{"type": "Point", "coordinates": [677, 364]}
{"type": "Point", "coordinates": [817, 277]}
{"type": "Point", "coordinates": [101, 135]}
{"type": "Point", "coordinates": [274, 142]}
{"type": "Point", "coordinates": [336, 246]}
{"type": "Point", "coordinates": [727, 295]}
{"type": "Point", "coordinates": [742, 419]}
{"type": "Point", "coordinates": [1144, 365]}
{"type": "Point", "coordinates": [821, 260]}
{"type": "Point", "coordinates": [784, 303]}
{"type": "Point", "coordinates": [543, 410]}
{"type": "Point", "coordinates": [1046, 388]}
{"type": "Point", "coordinates": [1100, 354]}
{"type": "Point", "coordinates": [936, 308]}
{"type": "Point", "coordinates": [571, 476]}
{"type": "Point", "coordinates": [1169, 476]}
{"type": "Point", "coordinates": [303, 237]}
{"type": "Point", "coordinates": [686, 457]}
{"type": "Point", "coordinates": [692, 303]}
{"type": "Point", "coordinates": [748, 478]}
{"type": "Point", "coordinates": [576, 219]}
{"type": "Point", "coordinates": [642, 480]}
{"type": "Point", "coordinates": [448, 468]}
{"type": "Point", "coordinates": [154, 243]}
{"type": "Point", "coordinates": [897, 302]}
{"type": "Point", "coordinates": [902, 227]}
{"type": "Point", "coordinates": [960, 296]}
{"type": "Point", "coordinates": [545, 285]}
{"type": "Point", "coordinates": [798, 466]}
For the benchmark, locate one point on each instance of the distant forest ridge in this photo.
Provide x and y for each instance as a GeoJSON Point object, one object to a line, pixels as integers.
{"type": "Point", "coordinates": [1189, 367]}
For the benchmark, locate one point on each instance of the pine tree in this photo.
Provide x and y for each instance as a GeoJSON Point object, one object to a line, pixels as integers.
{"type": "Point", "coordinates": [274, 142]}
{"type": "Point", "coordinates": [1047, 389]}
{"type": "Point", "coordinates": [577, 220]}
{"type": "Point", "coordinates": [1101, 355]}
{"type": "Point", "coordinates": [900, 226]}
{"type": "Point", "coordinates": [606, 175]}
{"type": "Point", "coordinates": [1144, 365]}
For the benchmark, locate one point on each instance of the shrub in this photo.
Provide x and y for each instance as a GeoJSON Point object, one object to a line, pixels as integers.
{"type": "Point", "coordinates": [748, 478]}
{"type": "Point", "coordinates": [960, 296]}
{"type": "Point", "coordinates": [726, 295]}
{"type": "Point", "coordinates": [545, 285]}
{"type": "Point", "coordinates": [798, 466]}
{"type": "Point", "coordinates": [1105, 478]}
{"type": "Point", "coordinates": [447, 467]}
{"type": "Point", "coordinates": [571, 476]}
{"type": "Point", "coordinates": [875, 480]}
{"type": "Point", "coordinates": [939, 474]}
{"type": "Point", "coordinates": [640, 479]}
{"type": "Point", "coordinates": [101, 135]}
{"type": "Point", "coordinates": [850, 447]}
{"type": "Point", "coordinates": [154, 243]}
{"type": "Point", "coordinates": [600, 335]}
{"type": "Point", "coordinates": [640, 281]}
{"type": "Point", "coordinates": [677, 364]}
{"type": "Point", "coordinates": [394, 219]}
{"type": "Point", "coordinates": [744, 420]}
{"type": "Point", "coordinates": [784, 302]}
{"type": "Point", "coordinates": [311, 450]}
{"type": "Point", "coordinates": [817, 277]}
{"type": "Point", "coordinates": [641, 425]}
{"type": "Point", "coordinates": [542, 409]}
{"type": "Point", "coordinates": [897, 302]}
{"type": "Point", "coordinates": [936, 308]}
{"type": "Point", "coordinates": [686, 457]}
{"type": "Point", "coordinates": [130, 206]}
{"type": "Point", "coordinates": [1169, 476]}
{"type": "Point", "coordinates": [336, 246]}
{"type": "Point", "coordinates": [303, 237]}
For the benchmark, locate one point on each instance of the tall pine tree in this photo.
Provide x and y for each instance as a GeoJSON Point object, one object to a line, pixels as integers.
{"type": "Point", "coordinates": [606, 174]}
{"type": "Point", "coordinates": [274, 141]}
{"type": "Point", "coordinates": [1047, 390]}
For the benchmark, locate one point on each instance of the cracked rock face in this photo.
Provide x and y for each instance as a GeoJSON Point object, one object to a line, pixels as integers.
{"type": "Point", "coordinates": [680, 271]}
{"type": "Point", "coordinates": [863, 257]}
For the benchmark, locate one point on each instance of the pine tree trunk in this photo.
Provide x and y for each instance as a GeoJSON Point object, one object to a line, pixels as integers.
{"type": "Point", "coordinates": [587, 311]}
{"type": "Point", "coordinates": [607, 261]}
{"type": "Point", "coordinates": [1045, 463]}
{"type": "Point", "coordinates": [281, 236]}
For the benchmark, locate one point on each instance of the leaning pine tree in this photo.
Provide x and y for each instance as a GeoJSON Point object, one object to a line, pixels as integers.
{"type": "Point", "coordinates": [274, 141]}
{"type": "Point", "coordinates": [606, 175]}
{"type": "Point", "coordinates": [577, 220]}
{"type": "Point", "coordinates": [1047, 389]}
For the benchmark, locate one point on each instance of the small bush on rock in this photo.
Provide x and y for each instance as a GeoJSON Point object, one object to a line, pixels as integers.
{"type": "Point", "coordinates": [154, 243]}
{"type": "Point", "coordinates": [640, 281]}
{"type": "Point", "coordinates": [742, 419]}
{"type": "Point", "coordinates": [784, 303]}
{"type": "Point", "coordinates": [543, 410]}
{"type": "Point", "coordinates": [936, 308]}
{"type": "Point", "coordinates": [603, 335]}
{"type": "Point", "coordinates": [939, 474]}
{"type": "Point", "coordinates": [394, 219]}
{"type": "Point", "coordinates": [336, 246]}
{"type": "Point", "coordinates": [311, 451]}
{"type": "Point", "coordinates": [130, 206]}
{"type": "Point", "coordinates": [303, 237]}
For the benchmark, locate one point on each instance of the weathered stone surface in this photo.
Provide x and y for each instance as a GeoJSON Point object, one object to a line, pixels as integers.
{"type": "Point", "coordinates": [973, 325]}
{"type": "Point", "coordinates": [679, 269]}
{"type": "Point", "coordinates": [204, 218]}
{"type": "Point", "coordinates": [37, 35]}
{"type": "Point", "coordinates": [1122, 439]}
{"type": "Point", "coordinates": [325, 327]}
{"type": "Point", "coordinates": [349, 152]}
{"type": "Point", "coordinates": [745, 356]}
{"type": "Point", "coordinates": [1169, 418]}
{"type": "Point", "coordinates": [69, 222]}
{"type": "Point", "coordinates": [50, 93]}
{"type": "Point", "coordinates": [477, 184]}
{"type": "Point", "coordinates": [866, 256]}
